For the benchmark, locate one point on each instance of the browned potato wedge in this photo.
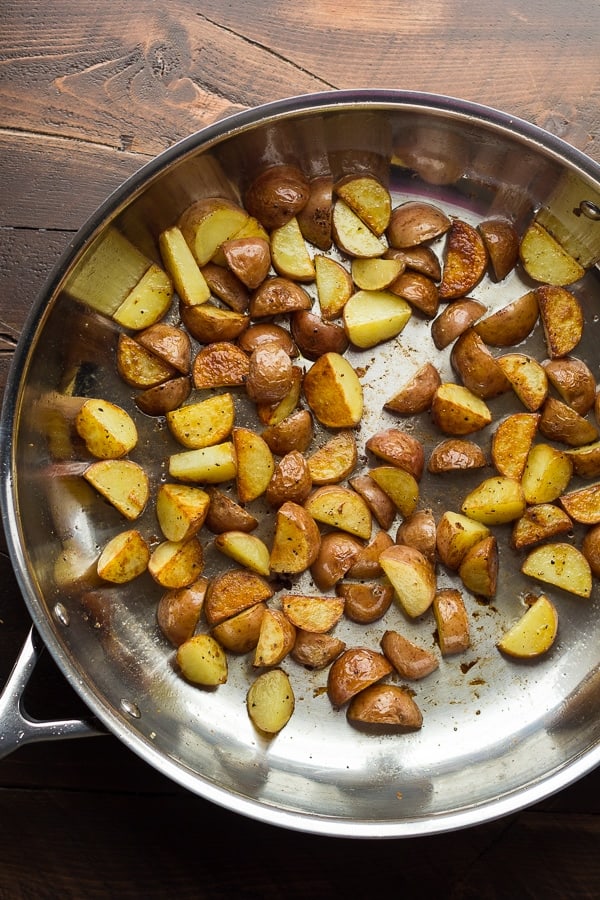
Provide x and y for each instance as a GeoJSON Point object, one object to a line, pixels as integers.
{"type": "Point", "coordinates": [207, 223]}
{"type": "Point", "coordinates": [351, 234]}
{"type": "Point", "coordinates": [107, 430]}
{"type": "Point", "coordinates": [409, 660]}
{"type": "Point", "coordinates": [339, 550]}
{"type": "Point", "coordinates": [510, 324]}
{"type": "Point", "coordinates": [527, 377]}
{"type": "Point", "coordinates": [512, 441]}
{"type": "Point", "coordinates": [169, 343]}
{"type": "Point", "coordinates": [314, 336]}
{"type": "Point", "coordinates": [415, 222]}
{"type": "Point", "coordinates": [561, 565]}
{"type": "Point", "coordinates": [181, 510]}
{"type": "Point", "coordinates": [202, 660]}
{"type": "Point", "coordinates": [220, 364]}
{"type": "Point", "coordinates": [333, 392]}
{"type": "Point", "coordinates": [249, 258]}
{"type": "Point", "coordinates": [372, 317]}
{"type": "Point", "coordinates": [419, 259]}
{"type": "Point", "coordinates": [452, 621]}
{"type": "Point", "coordinates": [501, 241]}
{"type": "Point", "coordinates": [560, 422]}
{"type": "Point", "coordinates": [314, 218]}
{"type": "Point", "coordinates": [183, 268]}
{"type": "Point", "coordinates": [227, 287]}
{"type": "Point", "coordinates": [267, 333]}
{"type": "Point", "coordinates": [275, 639]}
{"type": "Point", "coordinates": [334, 286]}
{"type": "Point", "coordinates": [375, 274]}
{"type": "Point", "coordinates": [293, 433]}
{"type": "Point", "coordinates": [277, 194]}
{"type": "Point", "coordinates": [179, 611]}
{"type": "Point", "coordinates": [176, 564]}
{"type": "Point", "coordinates": [385, 706]}
{"type": "Point", "coordinates": [472, 360]}
{"type": "Point", "coordinates": [583, 504]}
{"type": "Point", "coordinates": [495, 501]}
{"type": "Point", "coordinates": [546, 475]}
{"type": "Point", "coordinates": [289, 253]}
{"type": "Point", "coordinates": [366, 564]}
{"type": "Point", "coordinates": [478, 570]}
{"type": "Point", "coordinates": [534, 633]}
{"type": "Point", "coordinates": [586, 460]}
{"type": "Point", "coordinates": [163, 398]}
{"type": "Point", "coordinates": [138, 367]}
{"type": "Point", "coordinates": [211, 465]}
{"type": "Point", "coordinates": [465, 261]}
{"type": "Point", "coordinates": [270, 701]}
{"type": "Point", "coordinates": [590, 547]}
{"type": "Point", "coordinates": [401, 487]}
{"type": "Point", "coordinates": [455, 535]}
{"type": "Point", "coordinates": [231, 592]}
{"type": "Point", "coordinates": [562, 318]}
{"type": "Point", "coordinates": [341, 508]}
{"type": "Point", "coordinates": [123, 483]}
{"type": "Point", "coordinates": [316, 651]}
{"type": "Point", "coordinates": [573, 381]}
{"type": "Point", "coordinates": [539, 523]}
{"type": "Point", "coordinates": [124, 557]}
{"type": "Point", "coordinates": [255, 464]}
{"type": "Point", "coordinates": [416, 395]}
{"type": "Point", "coordinates": [335, 459]}
{"type": "Point", "coordinates": [224, 514]}
{"type": "Point", "coordinates": [246, 549]}
{"type": "Point", "coordinates": [399, 449]}
{"type": "Point", "coordinates": [317, 614]}
{"type": "Point", "coordinates": [412, 576]}
{"type": "Point", "coordinates": [147, 302]}
{"type": "Point", "coordinates": [275, 413]}
{"type": "Point", "coordinates": [203, 423]}
{"type": "Point", "coordinates": [291, 480]}
{"type": "Point", "coordinates": [454, 319]}
{"type": "Point", "coordinates": [296, 540]}
{"type": "Point", "coordinates": [458, 411]}
{"type": "Point", "coordinates": [419, 290]}
{"type": "Point", "coordinates": [239, 633]}
{"type": "Point", "coordinates": [419, 530]}
{"type": "Point", "coordinates": [455, 455]}
{"type": "Point", "coordinates": [368, 198]}
{"type": "Point", "coordinates": [353, 671]}
{"type": "Point", "coordinates": [209, 323]}
{"type": "Point", "coordinates": [270, 374]}
{"type": "Point", "coordinates": [365, 602]}
{"type": "Point", "coordinates": [381, 505]}
{"type": "Point", "coordinates": [277, 296]}
{"type": "Point", "coordinates": [545, 260]}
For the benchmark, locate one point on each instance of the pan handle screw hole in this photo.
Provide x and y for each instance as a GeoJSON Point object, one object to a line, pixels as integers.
{"type": "Point", "coordinates": [590, 210]}
{"type": "Point", "coordinates": [130, 709]}
{"type": "Point", "coordinates": [61, 614]}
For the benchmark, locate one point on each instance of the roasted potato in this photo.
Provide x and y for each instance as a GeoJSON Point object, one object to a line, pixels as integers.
{"type": "Point", "coordinates": [316, 651]}
{"type": "Point", "coordinates": [341, 508]}
{"type": "Point", "coordinates": [353, 671]}
{"type": "Point", "coordinates": [147, 302]}
{"type": "Point", "coordinates": [573, 381]}
{"type": "Point", "coordinates": [478, 370]}
{"type": "Point", "coordinates": [385, 706]}
{"type": "Point", "coordinates": [164, 398]}
{"type": "Point", "coordinates": [415, 222]}
{"type": "Point", "coordinates": [366, 564]}
{"type": "Point", "coordinates": [210, 465]}
{"type": "Point", "coordinates": [232, 591]}
{"type": "Point", "coordinates": [202, 660]}
{"type": "Point", "coordinates": [168, 343]}
{"type": "Point", "coordinates": [123, 483]}
{"type": "Point", "coordinates": [176, 564]}
{"type": "Point", "coordinates": [399, 448]}
{"type": "Point", "coordinates": [239, 633]}
{"type": "Point", "coordinates": [318, 614]}
{"type": "Point", "coordinates": [512, 441]}
{"type": "Point", "coordinates": [501, 240]}
{"type": "Point", "coordinates": [249, 258]}
{"type": "Point", "coordinates": [179, 610]}
{"type": "Point", "coordinates": [270, 701]}
{"type": "Point", "coordinates": [333, 392]}
{"type": "Point", "coordinates": [527, 378]}
{"type": "Point", "coordinates": [590, 547]}
{"type": "Point", "coordinates": [107, 430]}
{"type": "Point", "coordinates": [209, 323]}
{"type": "Point", "coordinates": [203, 423]}
{"type": "Point", "coordinates": [478, 569]}
{"type": "Point", "coordinates": [416, 395]}
{"type": "Point", "coordinates": [246, 549]}
{"type": "Point", "coordinates": [181, 510]}
{"type": "Point", "coordinates": [372, 317]}
{"type": "Point", "coordinates": [538, 523]}
{"type": "Point", "coordinates": [335, 459]}
{"type": "Point", "coordinates": [254, 464]}
{"type": "Point", "coordinates": [293, 433]}
{"type": "Point", "coordinates": [296, 540]}
{"type": "Point", "coordinates": [456, 533]}
{"type": "Point", "coordinates": [457, 411]}
{"type": "Point", "coordinates": [560, 422]}
{"type": "Point", "coordinates": [183, 268]}
{"type": "Point", "coordinates": [419, 530]}
{"type": "Point", "coordinates": [452, 620]}
{"type": "Point", "coordinates": [276, 296]}
{"type": "Point", "coordinates": [339, 550]}
{"type": "Point", "coordinates": [412, 576]}
{"type": "Point", "coordinates": [314, 218]}
{"type": "Point", "coordinates": [420, 258]}
{"type": "Point", "coordinates": [545, 260]}
{"type": "Point", "coordinates": [291, 480]}
{"type": "Point", "coordinates": [465, 261]}
{"type": "Point", "coordinates": [138, 367]}
{"type": "Point", "coordinates": [495, 501]}
{"type": "Point", "coordinates": [276, 638]}
{"type": "Point", "coordinates": [532, 634]}
{"type": "Point", "coordinates": [314, 336]}
{"type": "Point", "coordinates": [368, 198]}
{"type": "Point", "coordinates": [375, 274]}
{"type": "Point", "coordinates": [124, 557]}
{"type": "Point", "coordinates": [227, 287]}
{"type": "Point", "coordinates": [583, 504]}
{"type": "Point", "coordinates": [334, 286]}
{"type": "Point", "coordinates": [277, 194]}
{"type": "Point", "coordinates": [510, 324]}
{"type": "Point", "coordinates": [417, 289]}
{"type": "Point", "coordinates": [225, 514]}
{"type": "Point", "coordinates": [561, 565]}
{"type": "Point", "coordinates": [267, 333]}
{"type": "Point", "coordinates": [454, 319]}
{"type": "Point", "coordinates": [410, 660]}
{"type": "Point", "coordinates": [546, 475]}
{"type": "Point", "coordinates": [270, 374]}
{"type": "Point", "coordinates": [454, 455]}
{"type": "Point", "coordinates": [401, 487]}
{"type": "Point", "coordinates": [365, 602]}
{"type": "Point", "coordinates": [351, 234]}
{"type": "Point", "coordinates": [289, 253]}
{"type": "Point", "coordinates": [381, 504]}
{"type": "Point", "coordinates": [562, 319]}
{"type": "Point", "coordinates": [207, 223]}
{"type": "Point", "coordinates": [220, 364]}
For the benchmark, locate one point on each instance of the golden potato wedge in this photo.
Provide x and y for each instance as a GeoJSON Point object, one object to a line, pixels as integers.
{"type": "Point", "coordinates": [416, 395]}
{"type": "Point", "coordinates": [478, 370]}
{"type": "Point", "coordinates": [501, 241]}
{"type": "Point", "coordinates": [385, 706]}
{"type": "Point", "coordinates": [562, 319]}
{"type": "Point", "coordinates": [590, 547]}
{"type": "Point", "coordinates": [107, 430]}
{"type": "Point", "coordinates": [169, 343]}
{"type": "Point", "coordinates": [560, 422]}
{"type": "Point", "coordinates": [546, 475]}
{"type": "Point", "coordinates": [401, 487]}
{"type": "Point", "coordinates": [275, 413]}
{"type": "Point", "coordinates": [586, 460]}
{"type": "Point", "coordinates": [381, 505]}
{"type": "Point", "coordinates": [455, 535]}
{"type": "Point", "coordinates": [454, 319]}
{"type": "Point", "coordinates": [415, 222]}
{"type": "Point", "coordinates": [561, 565]}
{"type": "Point", "coordinates": [511, 443]}
{"type": "Point", "coordinates": [267, 333]}
{"type": "Point", "coordinates": [138, 367]}
{"type": "Point", "coordinates": [458, 411]}
{"type": "Point", "coordinates": [124, 557]}
{"type": "Point", "coordinates": [335, 459]}
{"type": "Point", "coordinates": [368, 198]}
{"type": "Point", "coordinates": [465, 261]}
{"type": "Point", "coordinates": [540, 523]}
{"type": "Point", "coordinates": [181, 510]}
{"type": "Point", "coordinates": [315, 336]}
{"type": "Point", "coordinates": [203, 423]}
{"type": "Point", "coordinates": [399, 448]}
{"type": "Point", "coordinates": [454, 455]}
{"type": "Point", "coordinates": [419, 530]}
{"type": "Point", "coordinates": [147, 302]}
{"type": "Point", "coordinates": [527, 377]}
{"type": "Point", "coordinates": [478, 570]}
{"type": "Point", "coordinates": [375, 273]}
{"type": "Point", "coordinates": [289, 253]}
{"type": "Point", "coordinates": [184, 270]}
{"type": "Point", "coordinates": [318, 614]}
{"type": "Point", "coordinates": [231, 592]}
{"type": "Point", "coordinates": [179, 610]}
{"type": "Point", "coordinates": [316, 651]}
{"type": "Point", "coordinates": [573, 381]}
{"type": "Point", "coordinates": [583, 504]}
{"type": "Point", "coordinates": [339, 550]}
{"type": "Point", "coordinates": [495, 501]}
{"type": "Point", "coordinates": [419, 290]}
{"type": "Point", "coordinates": [246, 549]}
{"type": "Point", "coordinates": [277, 296]}
{"type": "Point", "coordinates": [249, 258]}
{"type": "Point", "coordinates": [333, 392]}
{"type": "Point", "coordinates": [207, 223]}
{"type": "Point", "coordinates": [276, 194]}
{"type": "Point", "coordinates": [291, 480]}
{"type": "Point", "coordinates": [275, 639]}
{"type": "Point", "coordinates": [163, 398]}
{"type": "Point", "coordinates": [366, 564]}
{"type": "Point", "coordinates": [211, 465]}
{"type": "Point", "coordinates": [270, 374]}
{"type": "Point", "coordinates": [220, 364]}
{"type": "Point", "coordinates": [351, 234]}
{"type": "Point", "coordinates": [202, 660]}
{"type": "Point", "coordinates": [123, 483]}
{"type": "Point", "coordinates": [365, 602]}
{"type": "Point", "coordinates": [295, 432]}
{"type": "Point", "coordinates": [334, 286]}
{"type": "Point", "coordinates": [412, 576]}
{"type": "Point", "coordinates": [176, 564]}
{"type": "Point", "coordinates": [510, 324]}
{"type": "Point", "coordinates": [255, 463]}
{"type": "Point", "coordinates": [372, 317]}
{"type": "Point", "coordinates": [545, 260]}
{"type": "Point", "coordinates": [270, 701]}
{"type": "Point", "coordinates": [210, 323]}
{"type": "Point", "coordinates": [239, 633]}
{"type": "Point", "coordinates": [314, 218]}
{"type": "Point", "coordinates": [341, 508]}
{"type": "Point", "coordinates": [410, 660]}
{"type": "Point", "coordinates": [534, 633]}
{"type": "Point", "coordinates": [353, 671]}
{"type": "Point", "coordinates": [296, 540]}
{"type": "Point", "coordinates": [224, 514]}
{"type": "Point", "coordinates": [452, 621]}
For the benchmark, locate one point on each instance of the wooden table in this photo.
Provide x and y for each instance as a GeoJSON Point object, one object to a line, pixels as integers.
{"type": "Point", "coordinates": [89, 91]}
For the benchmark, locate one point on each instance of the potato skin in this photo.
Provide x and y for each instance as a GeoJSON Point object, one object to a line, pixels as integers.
{"type": "Point", "coordinates": [365, 603]}
{"type": "Point", "coordinates": [354, 670]}
{"type": "Point", "coordinates": [454, 319]}
{"type": "Point", "coordinates": [453, 454]}
{"type": "Point", "coordinates": [337, 553]}
{"type": "Point", "coordinates": [315, 651]}
{"type": "Point", "coordinates": [314, 336]}
{"type": "Point", "coordinates": [269, 374]}
{"type": "Point", "coordinates": [267, 333]}
{"type": "Point", "coordinates": [165, 397]}
{"type": "Point", "coordinates": [502, 244]}
{"type": "Point", "coordinates": [295, 432]}
{"type": "Point", "coordinates": [276, 195]}
{"type": "Point", "coordinates": [409, 660]}
{"type": "Point", "coordinates": [416, 395]}
{"type": "Point", "coordinates": [591, 549]}
{"type": "Point", "coordinates": [574, 381]}
{"type": "Point", "coordinates": [179, 611]}
{"type": "Point", "coordinates": [290, 481]}
{"type": "Point", "coordinates": [385, 705]}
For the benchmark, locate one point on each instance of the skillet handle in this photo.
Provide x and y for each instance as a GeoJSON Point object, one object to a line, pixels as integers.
{"type": "Point", "coordinates": [16, 728]}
